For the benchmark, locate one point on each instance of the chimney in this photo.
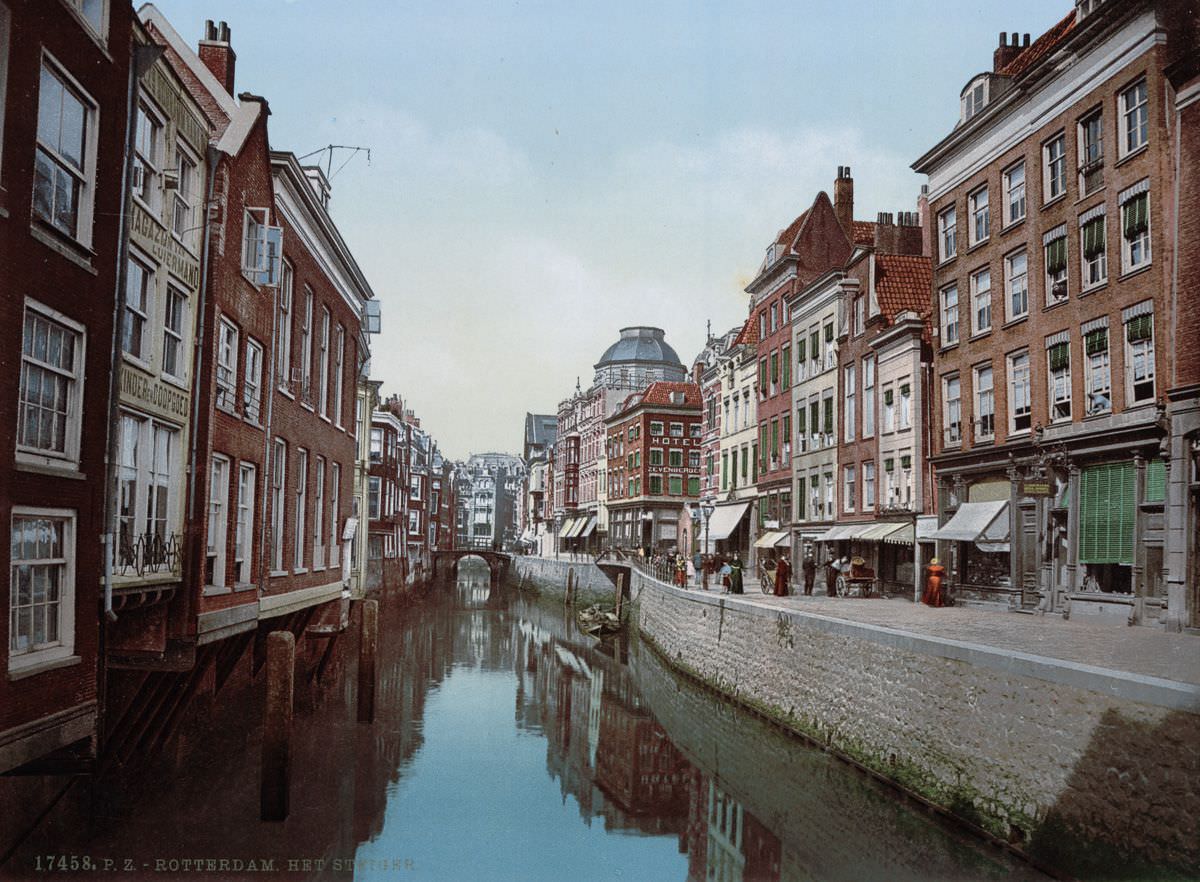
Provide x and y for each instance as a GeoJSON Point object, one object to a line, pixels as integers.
{"type": "Point", "coordinates": [843, 199]}
{"type": "Point", "coordinates": [1005, 53]}
{"type": "Point", "coordinates": [923, 221]}
{"type": "Point", "coordinates": [216, 53]}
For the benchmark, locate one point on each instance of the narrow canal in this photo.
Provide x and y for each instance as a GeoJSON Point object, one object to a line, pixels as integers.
{"type": "Point", "coordinates": [506, 746]}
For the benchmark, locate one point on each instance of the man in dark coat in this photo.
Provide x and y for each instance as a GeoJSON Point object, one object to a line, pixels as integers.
{"type": "Point", "coordinates": [809, 567]}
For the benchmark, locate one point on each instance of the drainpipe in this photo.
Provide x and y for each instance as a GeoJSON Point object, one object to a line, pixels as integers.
{"type": "Point", "coordinates": [263, 569]}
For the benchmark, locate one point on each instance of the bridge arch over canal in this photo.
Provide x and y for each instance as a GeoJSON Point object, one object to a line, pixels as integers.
{"type": "Point", "coordinates": [446, 562]}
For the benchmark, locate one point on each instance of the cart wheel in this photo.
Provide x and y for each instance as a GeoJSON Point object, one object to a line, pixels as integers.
{"type": "Point", "coordinates": [842, 588]}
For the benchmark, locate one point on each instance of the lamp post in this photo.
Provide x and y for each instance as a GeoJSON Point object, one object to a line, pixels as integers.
{"type": "Point", "coordinates": [706, 509]}
{"type": "Point", "coordinates": [558, 522]}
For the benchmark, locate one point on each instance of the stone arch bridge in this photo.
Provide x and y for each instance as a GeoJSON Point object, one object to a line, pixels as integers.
{"type": "Point", "coordinates": [446, 562]}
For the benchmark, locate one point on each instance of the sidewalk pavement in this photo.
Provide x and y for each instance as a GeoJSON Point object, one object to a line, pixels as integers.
{"type": "Point", "coordinates": [1141, 650]}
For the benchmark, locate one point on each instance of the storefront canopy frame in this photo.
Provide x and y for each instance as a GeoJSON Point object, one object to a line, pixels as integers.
{"type": "Point", "coordinates": [588, 528]}
{"type": "Point", "coordinates": [984, 523]}
{"type": "Point", "coordinates": [770, 539]}
{"type": "Point", "coordinates": [725, 520]}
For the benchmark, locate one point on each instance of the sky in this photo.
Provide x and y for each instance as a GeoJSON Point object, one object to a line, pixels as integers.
{"type": "Point", "coordinates": [543, 174]}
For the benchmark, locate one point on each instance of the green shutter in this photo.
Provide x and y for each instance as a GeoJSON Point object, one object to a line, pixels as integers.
{"type": "Point", "coordinates": [1060, 356]}
{"type": "Point", "coordinates": [800, 500]}
{"type": "Point", "coordinates": [774, 438]}
{"type": "Point", "coordinates": [801, 350]}
{"type": "Point", "coordinates": [889, 464]}
{"type": "Point", "coordinates": [828, 416]}
{"type": "Point", "coordinates": [1056, 255]}
{"type": "Point", "coordinates": [1156, 481]}
{"type": "Point", "coordinates": [814, 345]}
{"type": "Point", "coordinates": [904, 389]}
{"type": "Point", "coordinates": [1137, 215]}
{"type": "Point", "coordinates": [693, 487]}
{"type": "Point", "coordinates": [829, 333]}
{"type": "Point", "coordinates": [1106, 514]}
{"type": "Point", "coordinates": [1139, 328]}
{"type": "Point", "coordinates": [1096, 341]}
{"type": "Point", "coordinates": [1093, 238]}
{"type": "Point", "coordinates": [762, 375]}
{"type": "Point", "coordinates": [906, 461]}
{"type": "Point", "coordinates": [774, 367]}
{"type": "Point", "coordinates": [887, 396]}
{"type": "Point", "coordinates": [814, 417]}
{"type": "Point", "coordinates": [801, 425]}
{"type": "Point", "coordinates": [786, 360]}
{"type": "Point", "coordinates": [787, 428]}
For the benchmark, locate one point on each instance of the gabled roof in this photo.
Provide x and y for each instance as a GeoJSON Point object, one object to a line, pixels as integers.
{"type": "Point", "coordinates": [903, 281]}
{"type": "Point", "coordinates": [660, 394]}
{"type": "Point", "coordinates": [787, 236]}
{"type": "Point", "coordinates": [1041, 47]}
{"type": "Point", "coordinates": [748, 335]}
{"type": "Point", "coordinates": [863, 233]}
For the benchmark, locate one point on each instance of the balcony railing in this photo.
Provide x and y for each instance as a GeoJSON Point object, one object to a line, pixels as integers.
{"type": "Point", "coordinates": [145, 554]}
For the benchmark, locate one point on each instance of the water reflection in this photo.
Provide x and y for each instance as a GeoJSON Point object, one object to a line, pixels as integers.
{"type": "Point", "coordinates": [507, 745]}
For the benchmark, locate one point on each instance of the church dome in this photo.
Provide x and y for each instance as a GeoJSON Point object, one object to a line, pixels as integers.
{"type": "Point", "coordinates": [640, 345]}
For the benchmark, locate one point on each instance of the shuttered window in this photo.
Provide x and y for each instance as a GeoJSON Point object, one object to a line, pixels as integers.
{"type": "Point", "coordinates": [1060, 356]}
{"type": "Point", "coordinates": [1096, 341]}
{"type": "Point", "coordinates": [1106, 514]}
{"type": "Point", "coordinates": [1056, 255]}
{"type": "Point", "coordinates": [1139, 328]}
{"type": "Point", "coordinates": [1156, 481]}
{"type": "Point", "coordinates": [801, 349]}
{"type": "Point", "coordinates": [1093, 238]}
{"type": "Point", "coordinates": [828, 416]}
{"type": "Point", "coordinates": [1136, 214]}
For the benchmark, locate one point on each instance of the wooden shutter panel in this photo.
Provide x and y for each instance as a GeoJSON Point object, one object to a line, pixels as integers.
{"type": "Point", "coordinates": [1093, 238]}
{"type": "Point", "coordinates": [1060, 356]}
{"type": "Point", "coordinates": [829, 416]}
{"type": "Point", "coordinates": [1139, 328]}
{"type": "Point", "coordinates": [1156, 481]}
{"type": "Point", "coordinates": [1056, 255]}
{"type": "Point", "coordinates": [1137, 215]}
{"type": "Point", "coordinates": [1106, 514]}
{"type": "Point", "coordinates": [1096, 341]}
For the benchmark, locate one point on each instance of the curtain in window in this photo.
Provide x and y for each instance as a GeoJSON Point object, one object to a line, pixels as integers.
{"type": "Point", "coordinates": [1137, 215]}
{"type": "Point", "coordinates": [1056, 254]}
{"type": "Point", "coordinates": [1093, 238]}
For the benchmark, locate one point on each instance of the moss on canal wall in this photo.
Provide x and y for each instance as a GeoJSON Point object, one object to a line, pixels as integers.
{"type": "Point", "coordinates": [1087, 781]}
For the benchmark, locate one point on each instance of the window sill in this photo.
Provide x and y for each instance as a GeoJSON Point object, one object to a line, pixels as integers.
{"type": "Point", "coordinates": [45, 465]}
{"type": "Point", "coordinates": [325, 418]}
{"type": "Point", "coordinates": [61, 246]}
{"type": "Point", "coordinates": [1099, 286]}
{"type": "Point", "coordinates": [975, 246]}
{"type": "Point", "coordinates": [177, 382]}
{"type": "Point", "coordinates": [300, 571]}
{"type": "Point", "coordinates": [31, 669]}
{"type": "Point", "coordinates": [948, 347]}
{"type": "Point", "coordinates": [285, 392]}
{"type": "Point", "coordinates": [1090, 193]}
{"type": "Point", "coordinates": [277, 574]}
{"type": "Point", "coordinates": [1023, 433]}
{"type": "Point", "coordinates": [216, 590]}
{"type": "Point", "coordinates": [1132, 155]}
{"type": "Point", "coordinates": [1059, 198]}
{"type": "Point", "coordinates": [1012, 323]}
{"type": "Point", "coordinates": [979, 335]}
{"type": "Point", "coordinates": [308, 407]}
{"type": "Point", "coordinates": [229, 411]}
{"type": "Point", "coordinates": [241, 587]}
{"type": "Point", "coordinates": [136, 361]}
{"type": "Point", "coordinates": [1056, 304]}
{"type": "Point", "coordinates": [1136, 271]}
{"type": "Point", "coordinates": [989, 441]}
{"type": "Point", "coordinates": [1013, 225]}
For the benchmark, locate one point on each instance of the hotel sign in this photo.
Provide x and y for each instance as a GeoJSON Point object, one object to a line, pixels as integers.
{"type": "Point", "coordinates": [153, 395]}
{"type": "Point", "coordinates": [1036, 488]}
{"type": "Point", "coordinates": [157, 240]}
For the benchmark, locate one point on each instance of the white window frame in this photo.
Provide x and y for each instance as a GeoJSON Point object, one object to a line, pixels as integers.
{"type": "Point", "coordinates": [252, 385]}
{"type": "Point", "coordinates": [243, 550]}
{"type": "Point", "coordinates": [849, 486]}
{"type": "Point", "coordinates": [138, 312]}
{"type": "Point", "coordinates": [1096, 164]}
{"type": "Point", "coordinates": [1054, 168]}
{"type": "Point", "coordinates": [278, 504]}
{"type": "Point", "coordinates": [1098, 377]}
{"type": "Point", "coordinates": [64, 647]}
{"type": "Point", "coordinates": [947, 234]}
{"type": "Point", "coordinates": [868, 501]}
{"type": "Point", "coordinates": [226, 365]}
{"type": "Point", "coordinates": [904, 404]}
{"type": "Point", "coordinates": [676, 430]}
{"type": "Point", "coordinates": [218, 520]}
{"type": "Point", "coordinates": [1140, 352]}
{"type": "Point", "coordinates": [72, 406]}
{"type": "Point", "coordinates": [306, 329]}
{"type": "Point", "coordinates": [283, 330]}
{"type": "Point", "coordinates": [952, 410]}
{"type": "Point", "coordinates": [85, 174]}
{"type": "Point", "coordinates": [146, 474]}
{"type": "Point", "coordinates": [985, 401]}
{"type": "Point", "coordinates": [979, 217]}
{"type": "Point", "coordinates": [323, 364]}
{"type": "Point", "coordinates": [375, 496]}
{"type": "Point", "coordinates": [1063, 276]}
{"type": "Point", "coordinates": [339, 367]}
{"type": "Point", "coordinates": [335, 497]}
{"type": "Point", "coordinates": [1014, 193]}
{"type": "Point", "coordinates": [176, 339]}
{"type": "Point", "coordinates": [319, 516]}
{"type": "Point", "coordinates": [262, 248]}
{"type": "Point", "coordinates": [1016, 285]}
{"type": "Point", "coordinates": [981, 301]}
{"type": "Point", "coordinates": [1141, 243]}
{"type": "Point", "coordinates": [949, 313]}
{"type": "Point", "coordinates": [1058, 390]}
{"type": "Point", "coordinates": [1126, 110]}
{"type": "Point", "coordinates": [1093, 271]}
{"type": "Point", "coordinates": [98, 29]}
{"type": "Point", "coordinates": [183, 203]}
{"type": "Point", "coordinates": [889, 410]}
{"type": "Point", "coordinates": [301, 530]}
{"type": "Point", "coordinates": [868, 384]}
{"type": "Point", "coordinates": [849, 384]}
{"type": "Point", "coordinates": [146, 181]}
{"type": "Point", "coordinates": [1019, 374]}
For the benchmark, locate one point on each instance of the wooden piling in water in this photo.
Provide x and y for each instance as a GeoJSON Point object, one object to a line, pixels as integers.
{"type": "Point", "coordinates": [620, 593]}
{"type": "Point", "coordinates": [277, 726]}
{"type": "Point", "coordinates": [367, 645]}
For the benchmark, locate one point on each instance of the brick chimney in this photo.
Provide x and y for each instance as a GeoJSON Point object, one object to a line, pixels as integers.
{"type": "Point", "coordinates": [923, 220]}
{"type": "Point", "coordinates": [1006, 52]}
{"type": "Point", "coordinates": [216, 53]}
{"type": "Point", "coordinates": [843, 199]}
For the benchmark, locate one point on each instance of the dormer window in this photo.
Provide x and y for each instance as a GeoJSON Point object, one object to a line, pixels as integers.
{"type": "Point", "coordinates": [1084, 8]}
{"type": "Point", "coordinates": [974, 97]}
{"type": "Point", "coordinates": [772, 253]}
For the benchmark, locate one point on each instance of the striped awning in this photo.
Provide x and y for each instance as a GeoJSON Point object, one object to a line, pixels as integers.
{"type": "Point", "coordinates": [771, 538]}
{"type": "Point", "coordinates": [587, 528]}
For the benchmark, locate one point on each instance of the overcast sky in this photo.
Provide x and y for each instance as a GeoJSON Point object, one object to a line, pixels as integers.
{"type": "Point", "coordinates": [544, 173]}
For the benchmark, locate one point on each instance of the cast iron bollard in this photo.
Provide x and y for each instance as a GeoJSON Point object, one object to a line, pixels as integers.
{"type": "Point", "coordinates": [277, 726]}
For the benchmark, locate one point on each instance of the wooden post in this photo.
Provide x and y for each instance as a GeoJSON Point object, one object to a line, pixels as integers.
{"type": "Point", "coordinates": [568, 598]}
{"type": "Point", "coordinates": [277, 726]}
{"type": "Point", "coordinates": [368, 642]}
{"type": "Point", "coordinates": [620, 593]}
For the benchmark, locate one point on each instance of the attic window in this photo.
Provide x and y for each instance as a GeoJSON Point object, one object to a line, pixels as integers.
{"type": "Point", "coordinates": [1084, 8]}
{"type": "Point", "coordinates": [974, 97]}
{"type": "Point", "coordinates": [772, 251]}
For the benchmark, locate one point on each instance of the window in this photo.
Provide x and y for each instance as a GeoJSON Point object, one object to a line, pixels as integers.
{"type": "Point", "coordinates": [774, 317]}
{"type": "Point", "coordinates": [827, 421]}
{"type": "Point", "coordinates": [1097, 378]}
{"type": "Point", "coordinates": [175, 315]}
{"type": "Point", "coordinates": [974, 97]}
{"type": "Point", "coordinates": [1135, 227]}
{"type": "Point", "coordinates": [656, 456]}
{"type": "Point", "coordinates": [139, 282]}
{"type": "Point", "coordinates": [762, 325]}
{"type": "Point", "coordinates": [849, 382]}
{"type": "Point", "coordinates": [674, 485]}
{"type": "Point", "coordinates": [695, 430]}
{"type": "Point", "coordinates": [952, 416]}
{"type": "Point", "coordinates": [1058, 359]}
{"type": "Point", "coordinates": [827, 481]}
{"type": "Point", "coordinates": [252, 383]}
{"type": "Point", "coordinates": [306, 321]}
{"type": "Point", "coordinates": [183, 212]}
{"type": "Point", "coordinates": [830, 348]}
{"type": "Point", "coordinates": [50, 385]}
{"type": "Point", "coordinates": [868, 381]}
{"type": "Point", "coordinates": [889, 409]}
{"type": "Point", "coordinates": [65, 158]}
{"type": "Point", "coordinates": [785, 362]}
{"type": "Point", "coordinates": [1091, 153]}
{"type": "Point", "coordinates": [373, 497]}
{"type": "Point", "coordinates": [774, 372]}
{"type": "Point", "coordinates": [981, 301]}
{"type": "Point", "coordinates": [5, 33]}
{"type": "Point", "coordinates": [262, 248]}
{"type": "Point", "coordinates": [92, 12]}
{"type": "Point", "coordinates": [243, 549]}
{"type": "Point", "coordinates": [694, 459]}
{"type": "Point", "coordinates": [376, 445]}
{"type": "Point", "coordinates": [949, 298]}
{"type": "Point", "coordinates": [1016, 284]}
{"type": "Point", "coordinates": [985, 404]}
{"type": "Point", "coordinates": [977, 207]}
{"type": "Point", "coordinates": [868, 485]}
{"type": "Point", "coordinates": [301, 506]}
{"type": "Point", "coordinates": [814, 350]}
{"type": "Point", "coordinates": [1014, 193]}
{"type": "Point", "coordinates": [1135, 119]}
{"type": "Point", "coordinates": [1056, 265]}
{"type": "Point", "coordinates": [283, 330]}
{"type": "Point", "coordinates": [1019, 402]}
{"type": "Point", "coordinates": [656, 427]}
{"type": "Point", "coordinates": [319, 515]}
{"type": "Point", "coordinates": [947, 234]}
{"type": "Point", "coordinates": [147, 157]}
{"type": "Point", "coordinates": [859, 315]}
{"type": "Point", "coordinates": [278, 507]}
{"type": "Point", "coordinates": [42, 587]}
{"type": "Point", "coordinates": [762, 378]}
{"type": "Point", "coordinates": [218, 525]}
{"type": "Point", "coordinates": [1094, 247]}
{"type": "Point", "coordinates": [1139, 353]}
{"type": "Point", "coordinates": [1054, 168]}
{"type": "Point", "coordinates": [147, 460]}
{"type": "Point", "coordinates": [676, 430]}
{"type": "Point", "coordinates": [227, 348]}
{"type": "Point", "coordinates": [849, 487]}
{"type": "Point", "coordinates": [323, 364]}
{"type": "Point", "coordinates": [904, 414]}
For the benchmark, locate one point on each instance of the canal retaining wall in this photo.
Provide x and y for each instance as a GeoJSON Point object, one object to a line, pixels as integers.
{"type": "Point", "coordinates": [549, 578]}
{"type": "Point", "coordinates": [1082, 768]}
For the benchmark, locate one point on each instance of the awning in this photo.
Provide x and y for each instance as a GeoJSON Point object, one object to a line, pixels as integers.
{"type": "Point", "coordinates": [834, 533]}
{"type": "Point", "coordinates": [577, 527]}
{"type": "Point", "coordinates": [904, 534]}
{"type": "Point", "coordinates": [564, 532]}
{"type": "Point", "coordinates": [725, 520]}
{"type": "Point", "coordinates": [587, 528]}
{"type": "Point", "coordinates": [878, 531]}
{"type": "Point", "coordinates": [926, 527]}
{"type": "Point", "coordinates": [770, 539]}
{"type": "Point", "coordinates": [984, 523]}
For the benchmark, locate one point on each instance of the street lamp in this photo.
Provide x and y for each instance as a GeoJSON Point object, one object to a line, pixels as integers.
{"type": "Point", "coordinates": [707, 509]}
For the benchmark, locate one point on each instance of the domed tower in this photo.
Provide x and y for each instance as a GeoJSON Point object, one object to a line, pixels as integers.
{"type": "Point", "coordinates": [640, 357]}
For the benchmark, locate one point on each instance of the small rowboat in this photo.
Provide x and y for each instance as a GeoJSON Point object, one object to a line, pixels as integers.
{"type": "Point", "coordinates": [598, 622]}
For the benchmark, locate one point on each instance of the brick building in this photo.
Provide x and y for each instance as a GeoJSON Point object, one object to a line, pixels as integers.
{"type": "Point", "coordinates": [734, 524]}
{"type": "Point", "coordinates": [1052, 207]}
{"type": "Point", "coordinates": [63, 133]}
{"type": "Point", "coordinates": [387, 501]}
{"type": "Point", "coordinates": [654, 444]}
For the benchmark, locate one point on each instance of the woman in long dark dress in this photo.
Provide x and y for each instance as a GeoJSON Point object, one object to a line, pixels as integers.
{"type": "Point", "coordinates": [735, 577]}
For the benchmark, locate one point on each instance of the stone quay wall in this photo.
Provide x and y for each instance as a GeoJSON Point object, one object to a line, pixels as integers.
{"type": "Point", "coordinates": [1079, 767]}
{"type": "Point", "coordinates": [548, 577]}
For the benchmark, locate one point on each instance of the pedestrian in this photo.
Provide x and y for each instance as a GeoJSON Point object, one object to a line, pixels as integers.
{"type": "Point", "coordinates": [680, 570]}
{"type": "Point", "coordinates": [735, 574]}
{"type": "Point", "coordinates": [783, 571]}
{"type": "Point", "coordinates": [809, 568]}
{"type": "Point", "coordinates": [697, 567]}
{"type": "Point", "coordinates": [831, 574]}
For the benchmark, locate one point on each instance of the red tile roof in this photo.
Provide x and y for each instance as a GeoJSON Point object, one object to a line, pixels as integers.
{"type": "Point", "coordinates": [748, 334]}
{"type": "Point", "coordinates": [904, 281]}
{"type": "Point", "coordinates": [1041, 47]}
{"type": "Point", "coordinates": [660, 393]}
{"type": "Point", "coordinates": [863, 232]}
{"type": "Point", "coordinates": [787, 236]}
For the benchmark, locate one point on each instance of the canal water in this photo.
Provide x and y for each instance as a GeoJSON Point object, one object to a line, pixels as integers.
{"type": "Point", "coordinates": [506, 746]}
